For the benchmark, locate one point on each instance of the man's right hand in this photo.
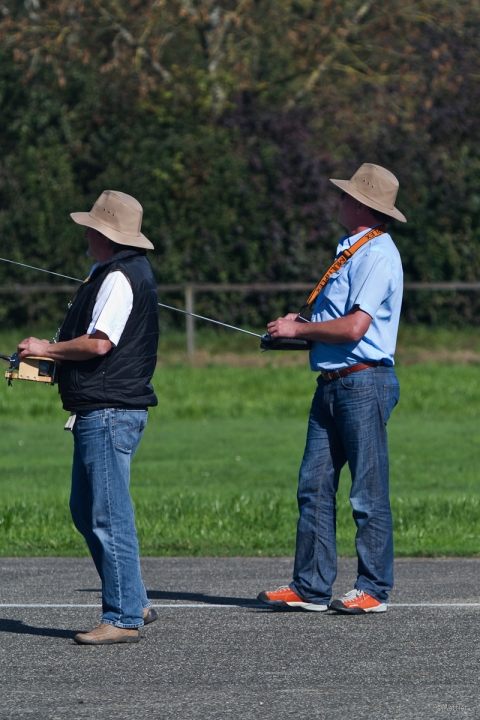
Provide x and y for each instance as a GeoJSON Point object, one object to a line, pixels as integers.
{"type": "Point", "coordinates": [81, 348]}
{"type": "Point", "coordinates": [33, 346]}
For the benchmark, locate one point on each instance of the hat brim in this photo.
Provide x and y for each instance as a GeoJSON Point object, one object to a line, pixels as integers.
{"type": "Point", "coordinates": [346, 187]}
{"type": "Point", "coordinates": [85, 219]}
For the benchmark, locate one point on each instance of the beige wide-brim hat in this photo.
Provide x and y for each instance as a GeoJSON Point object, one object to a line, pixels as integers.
{"type": "Point", "coordinates": [375, 187]}
{"type": "Point", "coordinates": [118, 216]}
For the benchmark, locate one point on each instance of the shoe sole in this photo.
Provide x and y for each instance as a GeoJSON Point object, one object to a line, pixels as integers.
{"type": "Point", "coordinates": [310, 607]}
{"type": "Point", "coordinates": [339, 607]}
{"type": "Point", "coordinates": [107, 642]}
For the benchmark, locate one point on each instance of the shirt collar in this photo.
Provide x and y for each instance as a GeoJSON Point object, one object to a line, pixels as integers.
{"type": "Point", "coordinates": [348, 240]}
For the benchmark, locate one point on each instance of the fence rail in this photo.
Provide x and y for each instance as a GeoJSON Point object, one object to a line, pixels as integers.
{"type": "Point", "coordinates": [189, 290]}
{"type": "Point", "coordinates": [21, 289]}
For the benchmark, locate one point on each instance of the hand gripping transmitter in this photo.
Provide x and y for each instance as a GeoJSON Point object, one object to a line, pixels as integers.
{"type": "Point", "coordinates": [268, 343]}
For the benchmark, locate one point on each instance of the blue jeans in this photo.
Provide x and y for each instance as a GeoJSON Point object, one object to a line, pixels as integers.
{"type": "Point", "coordinates": [347, 424]}
{"type": "Point", "coordinates": [105, 443]}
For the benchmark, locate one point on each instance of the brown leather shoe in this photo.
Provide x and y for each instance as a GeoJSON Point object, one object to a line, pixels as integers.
{"type": "Point", "coordinates": [106, 634]}
{"type": "Point", "coordinates": [149, 615]}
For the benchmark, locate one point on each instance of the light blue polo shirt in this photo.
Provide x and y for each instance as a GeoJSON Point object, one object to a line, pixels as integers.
{"type": "Point", "coordinates": [373, 280]}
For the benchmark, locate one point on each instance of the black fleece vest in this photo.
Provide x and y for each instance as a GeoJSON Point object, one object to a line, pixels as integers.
{"type": "Point", "coordinates": [121, 378]}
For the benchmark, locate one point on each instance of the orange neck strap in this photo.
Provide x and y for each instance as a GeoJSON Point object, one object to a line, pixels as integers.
{"type": "Point", "coordinates": [341, 260]}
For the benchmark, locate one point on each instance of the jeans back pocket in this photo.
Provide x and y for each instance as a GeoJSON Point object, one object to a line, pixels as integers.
{"type": "Point", "coordinates": [128, 427]}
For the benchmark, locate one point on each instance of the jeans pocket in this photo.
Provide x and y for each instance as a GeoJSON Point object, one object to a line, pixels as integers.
{"type": "Point", "coordinates": [128, 427]}
{"type": "Point", "coordinates": [363, 380]}
{"type": "Point", "coordinates": [91, 415]}
{"type": "Point", "coordinates": [391, 396]}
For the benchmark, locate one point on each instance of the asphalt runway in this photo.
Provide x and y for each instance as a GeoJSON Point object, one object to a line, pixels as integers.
{"type": "Point", "coordinates": [216, 654]}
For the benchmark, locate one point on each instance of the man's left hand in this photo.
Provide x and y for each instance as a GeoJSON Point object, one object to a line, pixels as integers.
{"type": "Point", "coordinates": [283, 328]}
{"type": "Point", "coordinates": [33, 346]}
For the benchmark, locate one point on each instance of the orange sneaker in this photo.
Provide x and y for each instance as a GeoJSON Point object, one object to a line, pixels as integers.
{"type": "Point", "coordinates": [285, 597]}
{"type": "Point", "coordinates": [357, 602]}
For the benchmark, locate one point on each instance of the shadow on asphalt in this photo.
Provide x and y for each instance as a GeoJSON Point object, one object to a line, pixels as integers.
{"type": "Point", "coordinates": [18, 627]}
{"type": "Point", "coordinates": [192, 597]}
{"type": "Point", "coordinates": [200, 597]}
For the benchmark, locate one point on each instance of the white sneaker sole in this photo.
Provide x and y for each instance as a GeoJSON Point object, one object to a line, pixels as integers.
{"type": "Point", "coordinates": [312, 607]}
{"type": "Point", "coordinates": [379, 608]}
{"type": "Point", "coordinates": [336, 605]}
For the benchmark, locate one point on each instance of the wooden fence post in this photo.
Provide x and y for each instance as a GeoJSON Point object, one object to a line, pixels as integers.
{"type": "Point", "coordinates": [190, 321]}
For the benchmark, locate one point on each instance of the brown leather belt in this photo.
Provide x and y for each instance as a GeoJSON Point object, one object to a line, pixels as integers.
{"type": "Point", "coordinates": [336, 374]}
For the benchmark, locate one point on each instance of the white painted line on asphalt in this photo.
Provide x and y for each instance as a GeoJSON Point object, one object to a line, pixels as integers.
{"type": "Point", "coordinates": [433, 605]}
{"type": "Point", "coordinates": [40, 605]}
{"type": "Point", "coordinates": [213, 606]}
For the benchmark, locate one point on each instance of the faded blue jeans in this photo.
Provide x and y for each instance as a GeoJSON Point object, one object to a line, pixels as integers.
{"type": "Point", "coordinates": [105, 443]}
{"type": "Point", "coordinates": [347, 423]}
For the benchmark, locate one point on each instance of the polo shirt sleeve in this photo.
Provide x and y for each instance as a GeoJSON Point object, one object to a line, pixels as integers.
{"type": "Point", "coordinates": [371, 283]}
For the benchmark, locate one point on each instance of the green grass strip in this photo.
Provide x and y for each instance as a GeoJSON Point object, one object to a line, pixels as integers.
{"type": "Point", "coordinates": [222, 391]}
{"type": "Point", "coordinates": [240, 525]}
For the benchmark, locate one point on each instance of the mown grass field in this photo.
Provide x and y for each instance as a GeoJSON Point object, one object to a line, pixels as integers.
{"type": "Point", "coordinates": [217, 469]}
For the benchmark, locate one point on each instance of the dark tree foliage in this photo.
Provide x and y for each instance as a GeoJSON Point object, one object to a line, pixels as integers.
{"type": "Point", "coordinates": [226, 119]}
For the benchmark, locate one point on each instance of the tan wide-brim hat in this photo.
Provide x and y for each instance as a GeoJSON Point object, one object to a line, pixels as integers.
{"type": "Point", "coordinates": [375, 187]}
{"type": "Point", "coordinates": [118, 216]}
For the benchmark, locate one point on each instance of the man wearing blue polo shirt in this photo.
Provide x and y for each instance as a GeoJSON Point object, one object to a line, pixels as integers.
{"type": "Point", "coordinates": [353, 330]}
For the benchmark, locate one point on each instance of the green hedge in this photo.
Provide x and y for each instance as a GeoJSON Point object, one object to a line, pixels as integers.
{"type": "Point", "coordinates": [226, 121]}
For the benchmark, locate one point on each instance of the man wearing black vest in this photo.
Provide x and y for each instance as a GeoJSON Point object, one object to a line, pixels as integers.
{"type": "Point", "coordinates": [107, 351]}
